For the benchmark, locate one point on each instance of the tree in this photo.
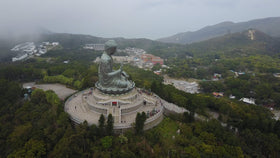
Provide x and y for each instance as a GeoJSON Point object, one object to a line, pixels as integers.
{"type": "Point", "coordinates": [32, 148]}
{"type": "Point", "coordinates": [107, 142]}
{"type": "Point", "coordinates": [157, 66]}
{"type": "Point", "coordinates": [38, 96]}
{"type": "Point", "coordinates": [101, 124]}
{"type": "Point", "coordinates": [277, 128]}
{"type": "Point", "coordinates": [191, 151]}
{"type": "Point", "coordinates": [264, 91]}
{"type": "Point", "coordinates": [101, 121]}
{"type": "Point", "coordinates": [139, 122]}
{"type": "Point", "coordinates": [123, 139]}
{"type": "Point", "coordinates": [110, 125]}
{"type": "Point", "coordinates": [188, 117]}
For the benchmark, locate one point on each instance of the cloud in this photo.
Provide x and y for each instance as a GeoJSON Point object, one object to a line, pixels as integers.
{"type": "Point", "coordinates": [130, 18]}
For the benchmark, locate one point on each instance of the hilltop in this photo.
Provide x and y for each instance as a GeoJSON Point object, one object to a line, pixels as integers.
{"type": "Point", "coordinates": [269, 26]}
{"type": "Point", "coordinates": [248, 42]}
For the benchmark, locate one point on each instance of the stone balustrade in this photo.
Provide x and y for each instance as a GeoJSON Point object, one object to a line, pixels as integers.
{"type": "Point", "coordinates": [83, 106]}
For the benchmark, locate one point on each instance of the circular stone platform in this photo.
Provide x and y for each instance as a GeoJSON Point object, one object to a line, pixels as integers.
{"type": "Point", "coordinates": [91, 103]}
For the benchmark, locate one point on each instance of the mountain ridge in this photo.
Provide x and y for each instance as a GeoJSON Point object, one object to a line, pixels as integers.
{"type": "Point", "coordinates": [248, 42]}
{"type": "Point", "coordinates": [268, 25]}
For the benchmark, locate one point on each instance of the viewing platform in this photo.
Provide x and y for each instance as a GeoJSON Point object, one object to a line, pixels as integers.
{"type": "Point", "coordinates": [89, 104]}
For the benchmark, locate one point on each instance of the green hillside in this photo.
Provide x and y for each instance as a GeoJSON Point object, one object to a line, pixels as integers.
{"type": "Point", "coordinates": [269, 26]}
{"type": "Point", "coordinates": [39, 127]}
{"type": "Point", "coordinates": [238, 44]}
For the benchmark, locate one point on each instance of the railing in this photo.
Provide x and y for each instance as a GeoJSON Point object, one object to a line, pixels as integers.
{"type": "Point", "coordinates": [156, 116]}
{"type": "Point", "coordinates": [126, 111]}
{"type": "Point", "coordinates": [122, 126]}
{"type": "Point", "coordinates": [149, 99]}
{"type": "Point", "coordinates": [97, 108]}
{"type": "Point", "coordinates": [73, 118]}
{"type": "Point", "coordinates": [76, 120]}
{"type": "Point", "coordinates": [149, 123]}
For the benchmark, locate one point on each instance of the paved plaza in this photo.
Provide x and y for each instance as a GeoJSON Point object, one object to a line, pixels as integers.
{"type": "Point", "coordinates": [61, 90]}
{"type": "Point", "coordinates": [90, 104]}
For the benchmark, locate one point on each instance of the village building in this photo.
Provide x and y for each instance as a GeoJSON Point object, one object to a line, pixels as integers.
{"type": "Point", "coordinates": [248, 100]}
{"type": "Point", "coordinates": [97, 47]}
{"type": "Point", "coordinates": [151, 58]}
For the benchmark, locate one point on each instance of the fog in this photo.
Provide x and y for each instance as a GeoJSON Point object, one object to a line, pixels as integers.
{"type": "Point", "coordinates": [127, 18]}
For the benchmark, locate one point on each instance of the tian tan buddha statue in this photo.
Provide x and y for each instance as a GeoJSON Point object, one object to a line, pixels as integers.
{"type": "Point", "coordinates": [112, 81]}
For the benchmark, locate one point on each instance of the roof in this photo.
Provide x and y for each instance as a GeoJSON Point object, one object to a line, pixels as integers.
{"type": "Point", "coordinates": [248, 100]}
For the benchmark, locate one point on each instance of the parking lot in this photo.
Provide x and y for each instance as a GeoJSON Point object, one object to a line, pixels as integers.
{"type": "Point", "coordinates": [61, 90]}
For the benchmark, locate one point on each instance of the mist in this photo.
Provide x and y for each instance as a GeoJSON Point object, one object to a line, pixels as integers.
{"type": "Point", "coordinates": [126, 18]}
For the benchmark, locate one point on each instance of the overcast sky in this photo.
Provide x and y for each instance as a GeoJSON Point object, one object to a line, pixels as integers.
{"type": "Point", "coordinates": [130, 18]}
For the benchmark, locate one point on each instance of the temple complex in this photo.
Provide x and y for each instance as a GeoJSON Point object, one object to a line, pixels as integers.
{"type": "Point", "coordinates": [114, 94]}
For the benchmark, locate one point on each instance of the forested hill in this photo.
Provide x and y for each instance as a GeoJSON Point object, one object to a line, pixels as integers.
{"type": "Point", "coordinates": [249, 42]}
{"type": "Point", "coordinates": [77, 41]}
{"type": "Point", "coordinates": [230, 44]}
{"type": "Point", "coordinates": [268, 25]}
{"type": "Point", "coordinates": [38, 126]}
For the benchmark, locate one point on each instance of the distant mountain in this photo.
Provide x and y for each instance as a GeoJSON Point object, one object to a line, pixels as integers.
{"type": "Point", "coordinates": [244, 43]}
{"type": "Point", "coordinates": [77, 41]}
{"type": "Point", "coordinates": [269, 26]}
{"type": "Point", "coordinates": [73, 41]}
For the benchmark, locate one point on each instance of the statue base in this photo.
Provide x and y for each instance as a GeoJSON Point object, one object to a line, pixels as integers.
{"type": "Point", "coordinates": [113, 90]}
{"type": "Point", "coordinates": [89, 104]}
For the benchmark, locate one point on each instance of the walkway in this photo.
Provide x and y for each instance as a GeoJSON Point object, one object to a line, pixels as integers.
{"type": "Point", "coordinates": [77, 106]}
{"type": "Point", "coordinates": [78, 110]}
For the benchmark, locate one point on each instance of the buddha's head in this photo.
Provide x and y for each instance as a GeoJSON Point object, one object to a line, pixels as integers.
{"type": "Point", "coordinates": [110, 47]}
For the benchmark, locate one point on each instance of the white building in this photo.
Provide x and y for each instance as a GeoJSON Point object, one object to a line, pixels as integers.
{"type": "Point", "coordinates": [55, 43]}
{"type": "Point", "coordinates": [232, 96]}
{"type": "Point", "coordinates": [20, 57]}
{"type": "Point", "coordinates": [98, 47]}
{"type": "Point", "coordinates": [248, 100]}
{"type": "Point", "coordinates": [27, 47]}
{"type": "Point", "coordinates": [46, 43]}
{"type": "Point", "coordinates": [276, 74]}
{"type": "Point", "coordinates": [42, 51]}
